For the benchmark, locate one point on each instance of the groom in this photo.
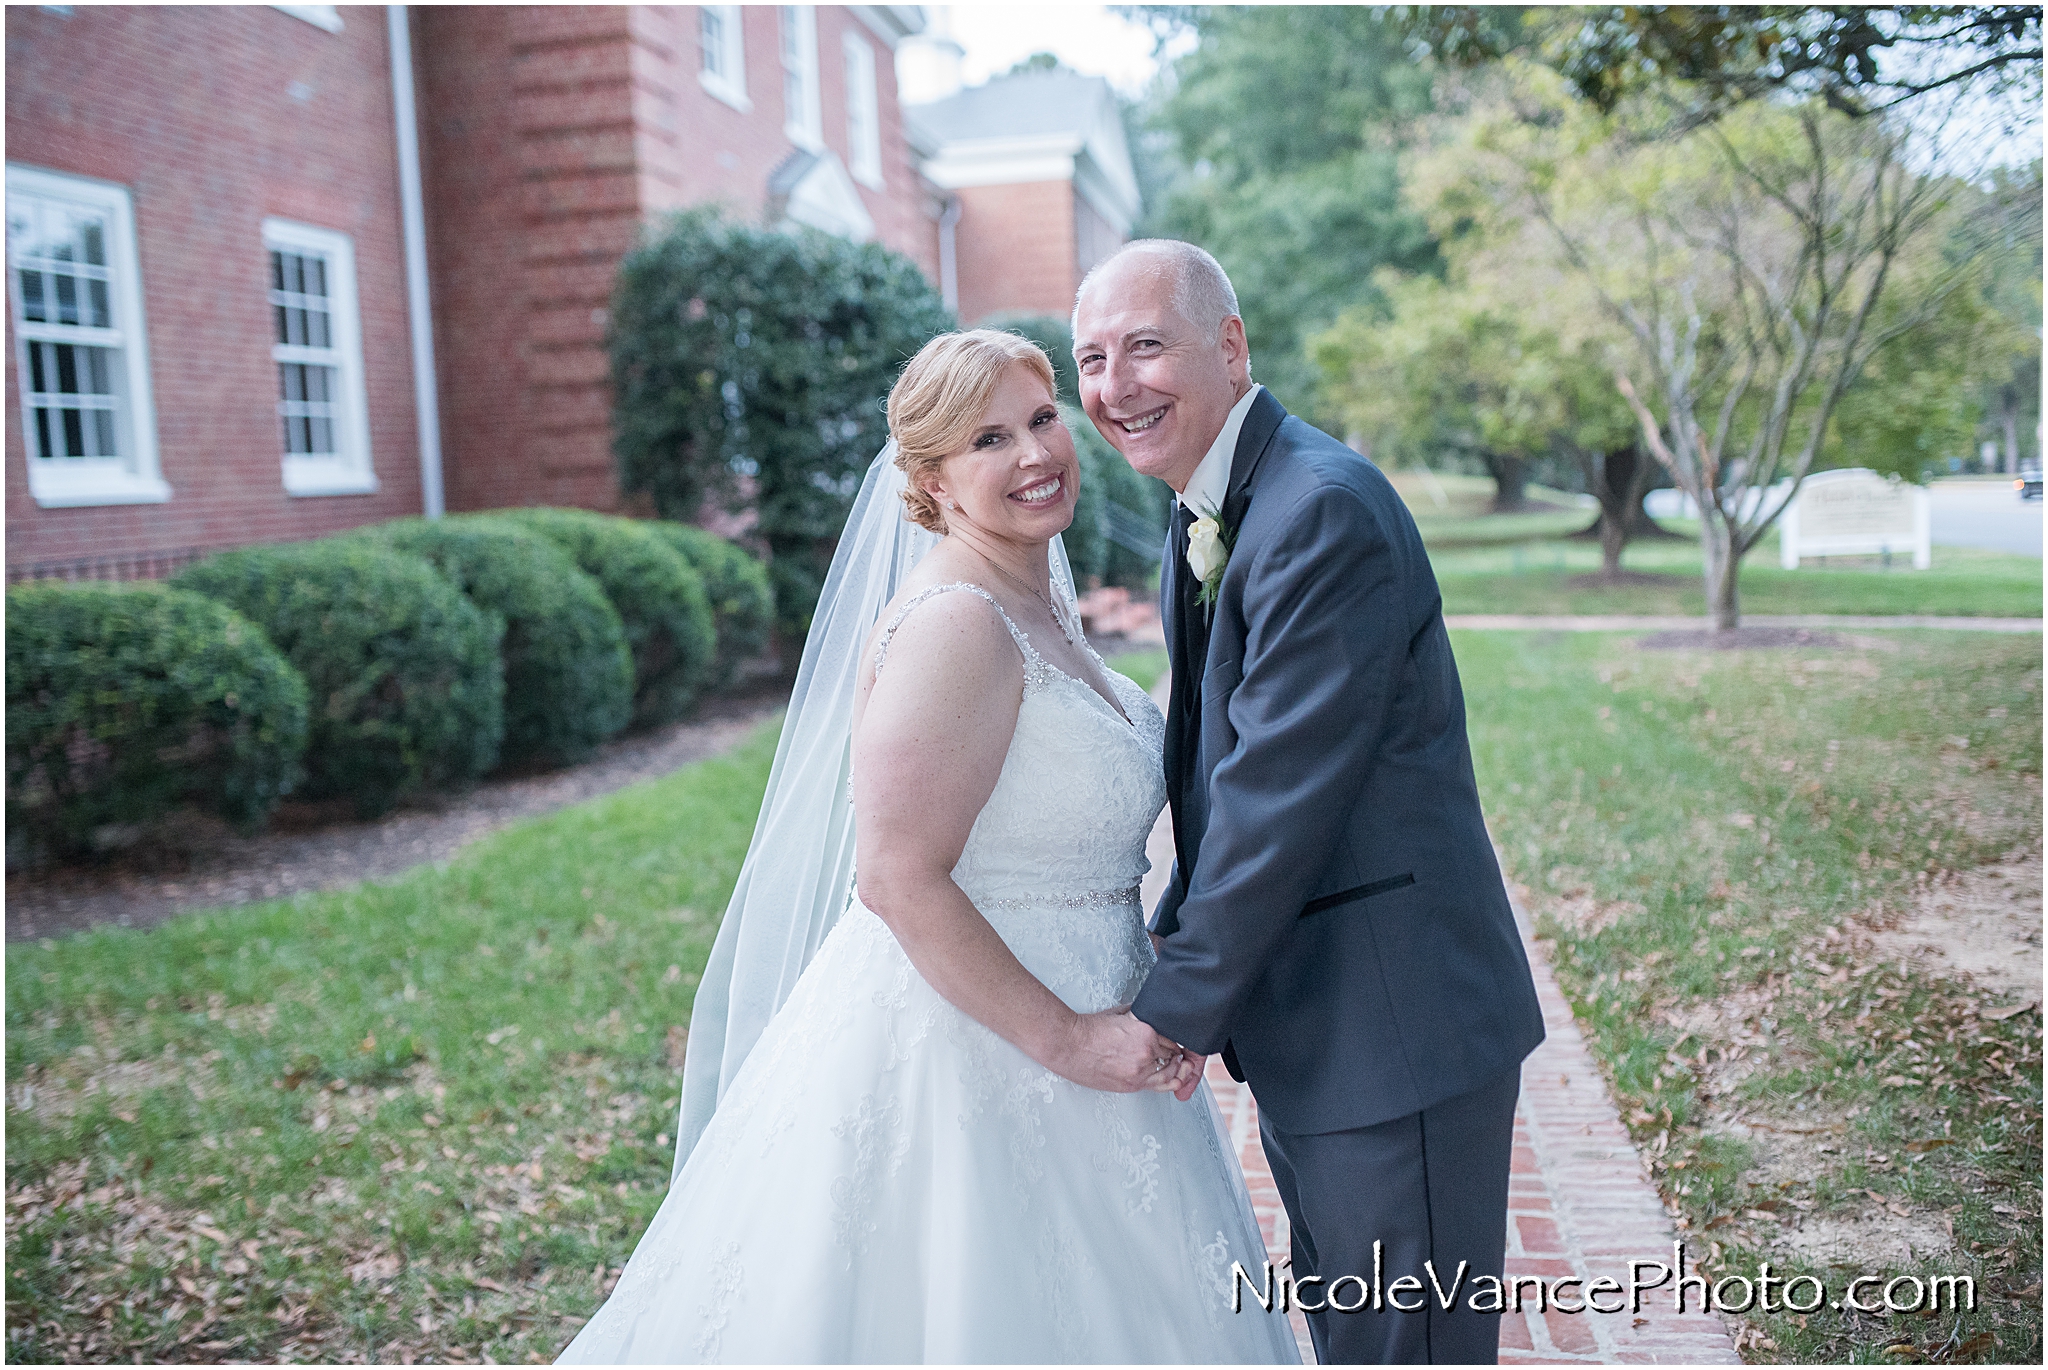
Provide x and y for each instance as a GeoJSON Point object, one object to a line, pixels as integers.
{"type": "Point", "coordinates": [1335, 924]}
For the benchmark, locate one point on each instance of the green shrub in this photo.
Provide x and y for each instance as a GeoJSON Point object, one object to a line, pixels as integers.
{"type": "Point", "coordinates": [742, 603]}
{"type": "Point", "coordinates": [405, 688]}
{"type": "Point", "coordinates": [659, 597]}
{"type": "Point", "coordinates": [568, 671]}
{"type": "Point", "coordinates": [124, 701]}
{"type": "Point", "coordinates": [739, 350]}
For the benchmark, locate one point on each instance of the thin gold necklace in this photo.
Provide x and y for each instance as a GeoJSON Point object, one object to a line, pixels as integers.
{"type": "Point", "coordinates": [1057, 621]}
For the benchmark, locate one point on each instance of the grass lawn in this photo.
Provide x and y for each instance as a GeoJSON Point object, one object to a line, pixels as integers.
{"type": "Point", "coordinates": [427, 1120]}
{"type": "Point", "coordinates": [424, 1120]}
{"type": "Point", "coordinates": [1719, 848]}
{"type": "Point", "coordinates": [1143, 667]}
{"type": "Point", "coordinates": [1525, 564]}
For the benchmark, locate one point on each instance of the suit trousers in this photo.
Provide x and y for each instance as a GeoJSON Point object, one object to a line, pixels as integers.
{"type": "Point", "coordinates": [1431, 1186]}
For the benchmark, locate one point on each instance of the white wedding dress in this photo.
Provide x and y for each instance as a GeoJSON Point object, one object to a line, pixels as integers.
{"type": "Point", "coordinates": [887, 1180]}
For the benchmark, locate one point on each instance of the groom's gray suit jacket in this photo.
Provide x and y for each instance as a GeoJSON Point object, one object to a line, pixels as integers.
{"type": "Point", "coordinates": [1336, 924]}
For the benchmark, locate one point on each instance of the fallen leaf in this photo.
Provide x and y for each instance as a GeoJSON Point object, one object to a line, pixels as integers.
{"type": "Point", "coordinates": [2001, 1014]}
{"type": "Point", "coordinates": [1930, 1144]}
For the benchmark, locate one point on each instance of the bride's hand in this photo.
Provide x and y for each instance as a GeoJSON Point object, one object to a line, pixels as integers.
{"type": "Point", "coordinates": [1115, 1052]}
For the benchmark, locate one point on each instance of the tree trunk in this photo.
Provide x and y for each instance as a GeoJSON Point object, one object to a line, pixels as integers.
{"type": "Point", "coordinates": [1721, 568]}
{"type": "Point", "coordinates": [1510, 483]}
{"type": "Point", "coordinates": [1619, 480]}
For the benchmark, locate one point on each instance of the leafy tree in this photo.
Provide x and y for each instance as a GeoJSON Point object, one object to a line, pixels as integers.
{"type": "Point", "coordinates": [1460, 368]}
{"type": "Point", "coordinates": [750, 366]}
{"type": "Point", "coordinates": [1285, 120]}
{"type": "Point", "coordinates": [1857, 59]}
{"type": "Point", "coordinates": [1755, 267]}
{"type": "Point", "coordinates": [2012, 396]}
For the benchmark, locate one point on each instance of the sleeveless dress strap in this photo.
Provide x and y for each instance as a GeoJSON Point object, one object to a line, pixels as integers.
{"type": "Point", "coordinates": [1030, 653]}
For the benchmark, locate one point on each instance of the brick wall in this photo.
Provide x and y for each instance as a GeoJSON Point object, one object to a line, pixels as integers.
{"type": "Point", "coordinates": [215, 119]}
{"type": "Point", "coordinates": [529, 146]}
{"type": "Point", "coordinates": [1016, 250]}
{"type": "Point", "coordinates": [693, 148]}
{"type": "Point", "coordinates": [529, 214]}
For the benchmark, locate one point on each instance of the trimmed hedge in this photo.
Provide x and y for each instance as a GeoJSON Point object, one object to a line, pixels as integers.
{"type": "Point", "coordinates": [742, 603]}
{"type": "Point", "coordinates": [568, 671]}
{"type": "Point", "coordinates": [406, 690]}
{"type": "Point", "coordinates": [124, 701]}
{"type": "Point", "coordinates": [660, 599]}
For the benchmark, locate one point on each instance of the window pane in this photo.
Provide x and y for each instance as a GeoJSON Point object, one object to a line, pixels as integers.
{"type": "Point", "coordinates": [277, 271]}
{"type": "Point", "coordinates": [711, 38]}
{"type": "Point", "coordinates": [67, 299]}
{"type": "Point", "coordinates": [43, 435]}
{"type": "Point", "coordinates": [97, 312]}
{"type": "Point", "coordinates": [103, 431]}
{"type": "Point", "coordinates": [316, 276]}
{"type": "Point", "coordinates": [32, 306]}
{"type": "Point", "coordinates": [94, 234]}
{"type": "Point", "coordinates": [317, 334]}
{"type": "Point", "coordinates": [322, 437]}
{"type": "Point", "coordinates": [37, 352]}
{"type": "Point", "coordinates": [67, 369]}
{"type": "Point", "coordinates": [74, 433]}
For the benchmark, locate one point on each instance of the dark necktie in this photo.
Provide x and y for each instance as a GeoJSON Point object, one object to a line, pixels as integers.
{"type": "Point", "coordinates": [1191, 646]}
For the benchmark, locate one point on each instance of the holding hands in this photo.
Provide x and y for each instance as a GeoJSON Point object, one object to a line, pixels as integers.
{"type": "Point", "coordinates": [1113, 1051]}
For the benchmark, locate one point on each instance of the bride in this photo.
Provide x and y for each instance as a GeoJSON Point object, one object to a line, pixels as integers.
{"type": "Point", "coordinates": [919, 1123]}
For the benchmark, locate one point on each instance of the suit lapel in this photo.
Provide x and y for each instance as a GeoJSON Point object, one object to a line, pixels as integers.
{"type": "Point", "coordinates": [1190, 640]}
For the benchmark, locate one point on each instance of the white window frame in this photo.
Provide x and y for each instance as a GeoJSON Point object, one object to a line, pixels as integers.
{"type": "Point", "coordinates": [348, 471]}
{"type": "Point", "coordinates": [132, 477]}
{"type": "Point", "coordinates": [803, 117]}
{"type": "Point", "coordinates": [722, 56]}
{"type": "Point", "coordinates": [863, 113]}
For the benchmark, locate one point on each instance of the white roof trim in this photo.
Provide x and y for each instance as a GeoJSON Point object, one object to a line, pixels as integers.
{"type": "Point", "coordinates": [827, 198]}
{"type": "Point", "coordinates": [891, 23]}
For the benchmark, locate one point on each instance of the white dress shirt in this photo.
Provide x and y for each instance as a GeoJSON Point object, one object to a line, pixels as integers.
{"type": "Point", "coordinates": [1211, 480]}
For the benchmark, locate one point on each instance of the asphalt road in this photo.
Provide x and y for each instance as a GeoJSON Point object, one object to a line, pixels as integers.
{"type": "Point", "coordinates": [1982, 513]}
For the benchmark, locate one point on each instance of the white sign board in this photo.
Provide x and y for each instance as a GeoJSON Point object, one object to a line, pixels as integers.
{"type": "Point", "coordinates": [1855, 513]}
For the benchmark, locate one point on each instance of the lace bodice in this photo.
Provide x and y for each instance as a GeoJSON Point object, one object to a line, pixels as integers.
{"type": "Point", "coordinates": [1055, 856]}
{"type": "Point", "coordinates": [1079, 789]}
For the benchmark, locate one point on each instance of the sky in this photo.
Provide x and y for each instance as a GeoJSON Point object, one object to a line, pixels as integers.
{"type": "Point", "coordinates": [1087, 38]}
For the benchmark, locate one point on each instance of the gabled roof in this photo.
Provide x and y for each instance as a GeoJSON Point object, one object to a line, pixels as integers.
{"type": "Point", "coordinates": [813, 188]}
{"type": "Point", "coordinates": [1032, 126]}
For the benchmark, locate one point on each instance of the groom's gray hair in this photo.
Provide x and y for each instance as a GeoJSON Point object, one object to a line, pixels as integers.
{"type": "Point", "coordinates": [1202, 293]}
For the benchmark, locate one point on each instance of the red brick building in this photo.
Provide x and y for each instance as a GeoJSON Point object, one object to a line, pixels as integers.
{"type": "Point", "coordinates": [1041, 176]}
{"type": "Point", "coordinates": [276, 271]}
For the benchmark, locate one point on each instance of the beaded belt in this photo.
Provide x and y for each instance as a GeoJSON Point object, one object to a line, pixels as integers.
{"type": "Point", "coordinates": [1094, 899]}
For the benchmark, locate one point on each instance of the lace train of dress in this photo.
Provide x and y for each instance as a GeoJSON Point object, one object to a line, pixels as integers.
{"type": "Point", "coordinates": [887, 1180]}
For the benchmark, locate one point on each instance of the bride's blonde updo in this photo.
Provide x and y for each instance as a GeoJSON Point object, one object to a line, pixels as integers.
{"type": "Point", "coordinates": [940, 399]}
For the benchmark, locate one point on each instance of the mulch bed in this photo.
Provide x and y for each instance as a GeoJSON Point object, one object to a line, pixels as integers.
{"type": "Point", "coordinates": [196, 863]}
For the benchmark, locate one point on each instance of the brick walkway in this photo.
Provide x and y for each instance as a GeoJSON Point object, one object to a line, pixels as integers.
{"type": "Point", "coordinates": [1579, 1201]}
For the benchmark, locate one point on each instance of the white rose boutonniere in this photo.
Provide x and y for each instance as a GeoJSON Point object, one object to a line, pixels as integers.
{"type": "Point", "coordinates": [1208, 553]}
